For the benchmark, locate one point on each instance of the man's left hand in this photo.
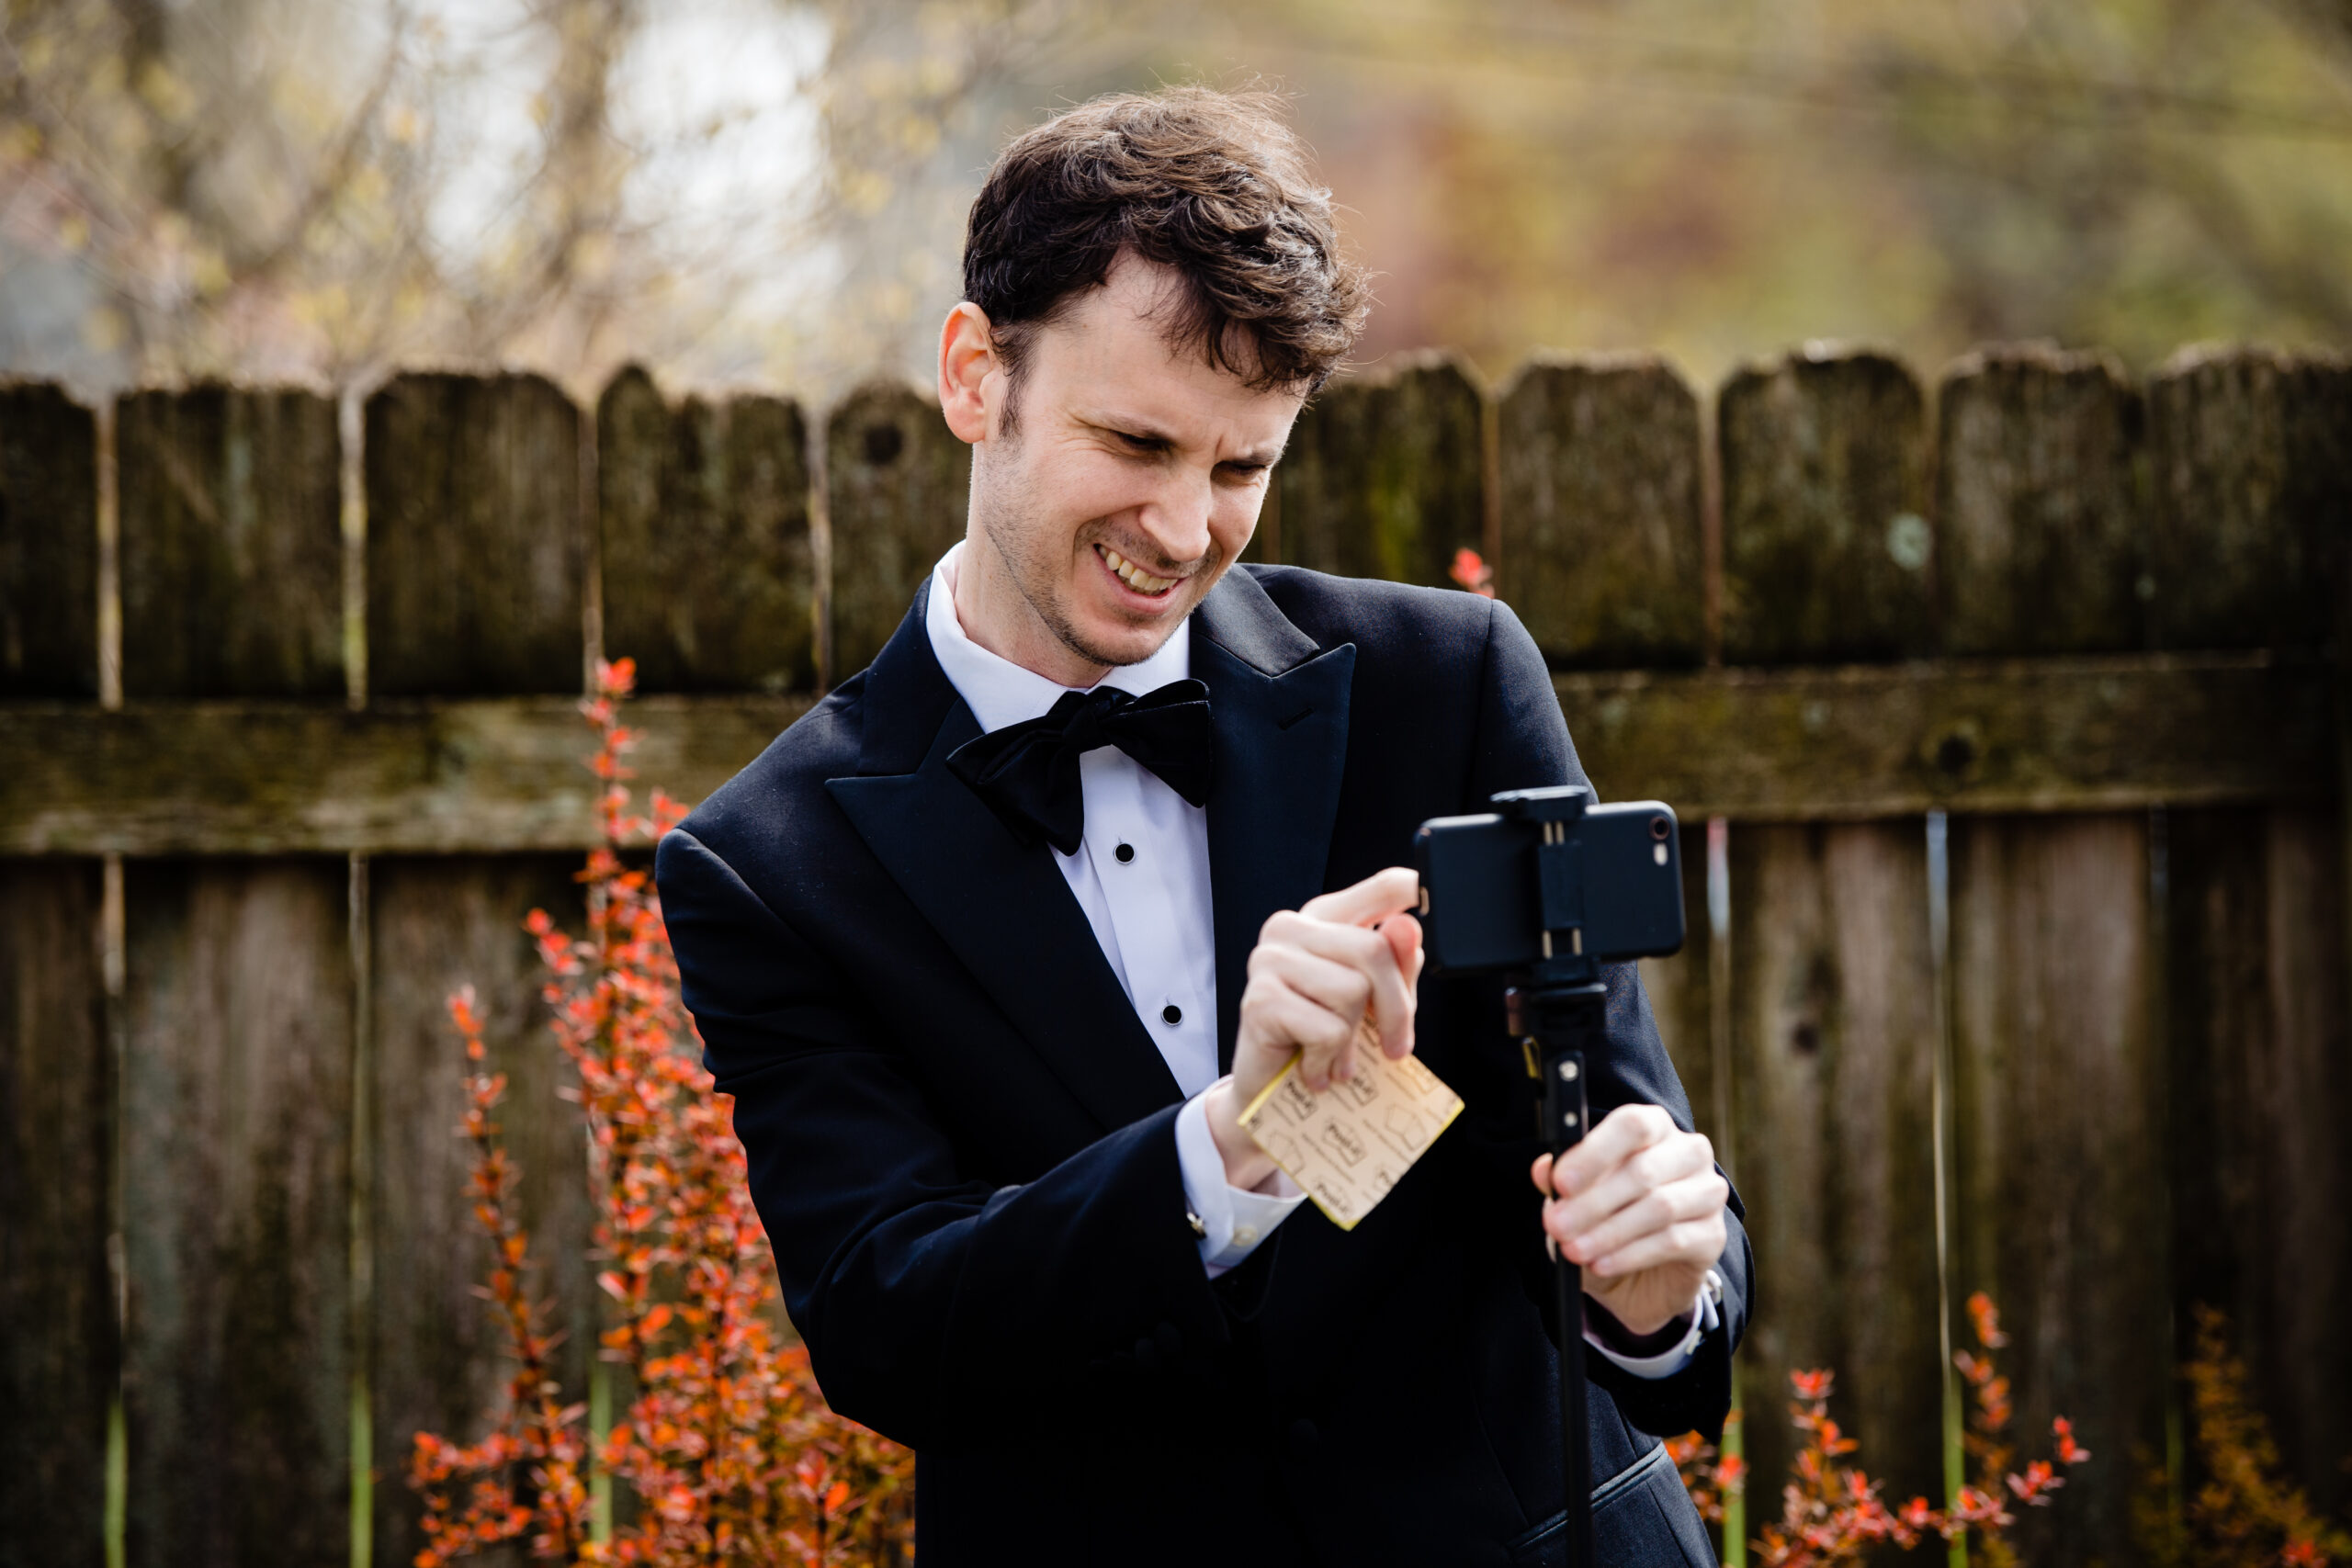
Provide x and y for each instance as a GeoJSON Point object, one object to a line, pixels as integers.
{"type": "Point", "coordinates": [1640, 1206]}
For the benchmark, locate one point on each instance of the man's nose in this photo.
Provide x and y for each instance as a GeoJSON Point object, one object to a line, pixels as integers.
{"type": "Point", "coordinates": [1176, 518]}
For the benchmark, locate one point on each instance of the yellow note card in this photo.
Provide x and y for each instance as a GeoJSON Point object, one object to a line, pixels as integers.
{"type": "Point", "coordinates": [1346, 1146]}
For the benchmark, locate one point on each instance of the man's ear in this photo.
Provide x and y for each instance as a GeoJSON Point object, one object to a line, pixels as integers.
{"type": "Point", "coordinates": [968, 361]}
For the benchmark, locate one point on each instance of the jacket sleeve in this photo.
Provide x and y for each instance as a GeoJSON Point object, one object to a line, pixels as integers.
{"type": "Point", "coordinates": [1523, 743]}
{"type": "Point", "coordinates": [938, 1309]}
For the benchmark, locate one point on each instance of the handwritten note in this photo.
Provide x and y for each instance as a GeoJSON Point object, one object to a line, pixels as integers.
{"type": "Point", "coordinates": [1346, 1146]}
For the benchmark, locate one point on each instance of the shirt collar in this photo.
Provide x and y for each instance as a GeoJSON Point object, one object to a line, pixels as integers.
{"type": "Point", "coordinates": [1000, 692]}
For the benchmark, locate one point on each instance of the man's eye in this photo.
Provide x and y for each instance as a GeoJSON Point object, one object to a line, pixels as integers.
{"type": "Point", "coordinates": [1148, 443]}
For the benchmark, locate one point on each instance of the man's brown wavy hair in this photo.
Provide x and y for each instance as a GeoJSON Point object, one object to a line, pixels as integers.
{"type": "Point", "coordinates": [1214, 186]}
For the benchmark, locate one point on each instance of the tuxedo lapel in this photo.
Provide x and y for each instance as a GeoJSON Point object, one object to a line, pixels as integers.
{"type": "Point", "coordinates": [1280, 707]}
{"type": "Point", "coordinates": [1003, 907]}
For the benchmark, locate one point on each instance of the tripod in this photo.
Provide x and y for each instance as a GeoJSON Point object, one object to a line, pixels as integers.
{"type": "Point", "coordinates": [1555, 1023]}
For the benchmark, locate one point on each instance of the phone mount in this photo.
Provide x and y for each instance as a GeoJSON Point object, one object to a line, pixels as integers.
{"type": "Point", "coordinates": [1555, 1018]}
{"type": "Point", "coordinates": [1559, 878]}
{"type": "Point", "coordinates": [1488, 904]}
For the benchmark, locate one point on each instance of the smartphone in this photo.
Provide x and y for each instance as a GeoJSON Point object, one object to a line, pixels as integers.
{"type": "Point", "coordinates": [1608, 878]}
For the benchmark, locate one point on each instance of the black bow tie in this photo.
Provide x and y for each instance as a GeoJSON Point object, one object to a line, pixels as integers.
{"type": "Point", "coordinates": [1028, 771]}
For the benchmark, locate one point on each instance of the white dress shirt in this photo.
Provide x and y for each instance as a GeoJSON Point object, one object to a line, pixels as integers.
{"type": "Point", "coordinates": [1141, 873]}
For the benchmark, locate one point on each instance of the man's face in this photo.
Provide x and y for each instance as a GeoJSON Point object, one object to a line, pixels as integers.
{"type": "Point", "coordinates": [1130, 482]}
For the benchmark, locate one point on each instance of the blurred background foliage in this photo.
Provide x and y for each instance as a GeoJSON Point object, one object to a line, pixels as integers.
{"type": "Point", "coordinates": [772, 191]}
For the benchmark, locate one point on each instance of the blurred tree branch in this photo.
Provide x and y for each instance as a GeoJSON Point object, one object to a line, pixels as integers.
{"type": "Point", "coordinates": [273, 188]}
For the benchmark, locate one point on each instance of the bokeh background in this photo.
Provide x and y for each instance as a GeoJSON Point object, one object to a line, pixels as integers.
{"type": "Point", "coordinates": [772, 192]}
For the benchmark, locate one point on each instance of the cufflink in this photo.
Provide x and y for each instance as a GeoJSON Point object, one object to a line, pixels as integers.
{"type": "Point", "coordinates": [1199, 1229]}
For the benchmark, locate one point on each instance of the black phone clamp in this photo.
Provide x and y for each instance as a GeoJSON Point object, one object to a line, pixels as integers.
{"type": "Point", "coordinates": [1559, 876]}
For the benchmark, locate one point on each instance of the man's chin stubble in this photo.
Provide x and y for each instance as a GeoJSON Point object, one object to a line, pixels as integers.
{"type": "Point", "coordinates": [1071, 638]}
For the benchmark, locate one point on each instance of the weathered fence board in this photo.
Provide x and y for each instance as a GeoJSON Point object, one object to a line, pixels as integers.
{"type": "Point", "coordinates": [1826, 558]}
{"type": "Point", "coordinates": [232, 544]}
{"type": "Point", "coordinates": [2252, 460]}
{"type": "Point", "coordinates": [709, 580]}
{"type": "Point", "coordinates": [436, 1352]}
{"type": "Point", "coordinates": [48, 545]}
{"type": "Point", "coordinates": [1600, 464]}
{"type": "Point", "coordinates": [1381, 476]}
{"type": "Point", "coordinates": [2261, 1094]}
{"type": "Point", "coordinates": [1826, 550]}
{"type": "Point", "coordinates": [2058, 1163]}
{"type": "Point", "coordinates": [2042, 539]}
{"type": "Point", "coordinates": [1761, 745]}
{"type": "Point", "coordinates": [2042, 548]}
{"type": "Point", "coordinates": [1833, 1046]}
{"type": "Point", "coordinates": [474, 543]}
{"type": "Point", "coordinates": [57, 1330]}
{"type": "Point", "coordinates": [895, 482]}
{"type": "Point", "coordinates": [2045, 734]}
{"type": "Point", "coordinates": [487, 774]}
{"type": "Point", "coordinates": [236, 1208]}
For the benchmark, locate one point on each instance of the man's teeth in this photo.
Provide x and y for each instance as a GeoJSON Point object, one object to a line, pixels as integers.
{"type": "Point", "coordinates": [1134, 576]}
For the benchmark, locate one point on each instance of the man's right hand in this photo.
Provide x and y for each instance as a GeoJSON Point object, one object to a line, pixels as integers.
{"type": "Point", "coordinates": [1324, 984]}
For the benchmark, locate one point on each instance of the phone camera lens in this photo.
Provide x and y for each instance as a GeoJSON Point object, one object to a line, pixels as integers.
{"type": "Point", "coordinates": [1660, 828]}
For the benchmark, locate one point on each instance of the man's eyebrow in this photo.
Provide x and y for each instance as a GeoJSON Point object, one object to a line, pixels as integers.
{"type": "Point", "coordinates": [1132, 429]}
{"type": "Point", "coordinates": [1144, 430]}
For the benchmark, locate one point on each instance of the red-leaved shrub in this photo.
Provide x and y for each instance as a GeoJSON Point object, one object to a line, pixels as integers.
{"type": "Point", "coordinates": [726, 1444]}
{"type": "Point", "coordinates": [1831, 1511]}
{"type": "Point", "coordinates": [2243, 1511]}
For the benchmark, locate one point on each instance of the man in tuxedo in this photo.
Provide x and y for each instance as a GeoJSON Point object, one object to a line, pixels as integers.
{"type": "Point", "coordinates": [993, 945]}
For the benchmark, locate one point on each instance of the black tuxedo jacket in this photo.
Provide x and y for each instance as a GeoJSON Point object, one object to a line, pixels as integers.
{"type": "Point", "coordinates": [961, 1136]}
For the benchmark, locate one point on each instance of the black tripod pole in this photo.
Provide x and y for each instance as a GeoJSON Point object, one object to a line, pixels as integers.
{"type": "Point", "coordinates": [1554, 1024]}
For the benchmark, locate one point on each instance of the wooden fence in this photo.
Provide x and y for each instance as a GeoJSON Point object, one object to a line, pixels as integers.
{"type": "Point", "coordinates": [2015, 705]}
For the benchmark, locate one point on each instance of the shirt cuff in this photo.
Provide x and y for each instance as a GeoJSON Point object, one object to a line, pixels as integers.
{"type": "Point", "coordinates": [1705, 1316]}
{"type": "Point", "coordinates": [1233, 1220]}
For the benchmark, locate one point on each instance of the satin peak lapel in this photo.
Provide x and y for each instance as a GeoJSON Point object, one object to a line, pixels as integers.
{"type": "Point", "coordinates": [1280, 707]}
{"type": "Point", "coordinates": [1001, 905]}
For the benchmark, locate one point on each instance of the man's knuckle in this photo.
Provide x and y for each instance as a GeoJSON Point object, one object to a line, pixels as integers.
{"type": "Point", "coordinates": [1691, 1201]}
